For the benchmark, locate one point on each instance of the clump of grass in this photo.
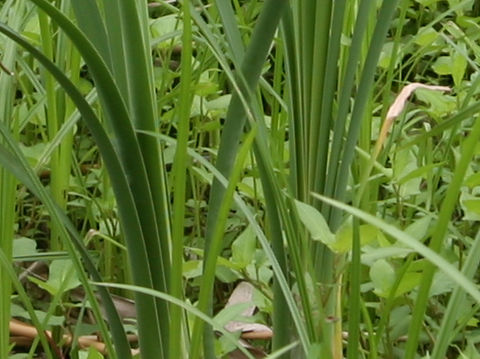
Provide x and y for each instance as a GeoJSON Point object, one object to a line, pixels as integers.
{"type": "Point", "coordinates": [276, 162]}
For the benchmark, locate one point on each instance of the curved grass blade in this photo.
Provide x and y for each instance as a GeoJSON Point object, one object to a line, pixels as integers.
{"type": "Point", "coordinates": [251, 67]}
{"type": "Point", "coordinates": [6, 266]}
{"type": "Point", "coordinates": [411, 242]}
{"type": "Point", "coordinates": [180, 180]}
{"type": "Point", "coordinates": [8, 184]}
{"type": "Point", "coordinates": [438, 236]}
{"type": "Point", "coordinates": [265, 243]}
{"type": "Point", "coordinates": [149, 203]}
{"type": "Point", "coordinates": [365, 85]}
{"type": "Point", "coordinates": [18, 165]}
{"type": "Point", "coordinates": [215, 247]}
{"type": "Point", "coordinates": [119, 182]}
{"type": "Point", "coordinates": [184, 305]}
{"type": "Point", "coordinates": [456, 302]}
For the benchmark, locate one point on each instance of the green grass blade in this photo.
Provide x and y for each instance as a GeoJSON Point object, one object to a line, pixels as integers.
{"type": "Point", "coordinates": [19, 166]}
{"type": "Point", "coordinates": [456, 303]}
{"type": "Point", "coordinates": [232, 33]}
{"type": "Point", "coordinates": [236, 116]}
{"type": "Point", "coordinates": [142, 108]}
{"type": "Point", "coordinates": [321, 143]}
{"type": "Point", "coordinates": [411, 242]}
{"type": "Point", "coordinates": [384, 16]}
{"type": "Point", "coordinates": [215, 247]}
{"type": "Point", "coordinates": [438, 236]}
{"type": "Point", "coordinates": [354, 298]}
{"type": "Point", "coordinates": [90, 21]}
{"type": "Point", "coordinates": [347, 82]}
{"type": "Point", "coordinates": [184, 305]}
{"type": "Point", "coordinates": [179, 183]}
{"type": "Point", "coordinates": [113, 22]}
{"type": "Point", "coordinates": [7, 181]}
{"type": "Point", "coordinates": [7, 269]}
{"type": "Point", "coordinates": [265, 243]}
{"type": "Point", "coordinates": [150, 204]}
{"type": "Point", "coordinates": [130, 222]}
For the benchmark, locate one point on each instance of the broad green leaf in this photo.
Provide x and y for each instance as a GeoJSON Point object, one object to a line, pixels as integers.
{"type": "Point", "coordinates": [163, 26]}
{"type": "Point", "coordinates": [430, 256]}
{"type": "Point", "coordinates": [20, 312]}
{"type": "Point", "coordinates": [473, 180]}
{"type": "Point", "coordinates": [192, 269]}
{"type": "Point", "coordinates": [426, 36]}
{"type": "Point", "coordinates": [94, 354]}
{"type": "Point", "coordinates": [409, 281]}
{"type": "Point", "coordinates": [440, 104]}
{"type": "Point", "coordinates": [34, 152]}
{"type": "Point", "coordinates": [386, 55]}
{"type": "Point", "coordinates": [249, 187]}
{"type": "Point", "coordinates": [42, 284]}
{"type": "Point", "coordinates": [471, 206]}
{"type": "Point", "coordinates": [343, 237]}
{"type": "Point", "coordinates": [419, 173]}
{"type": "Point", "coordinates": [442, 284]}
{"type": "Point", "coordinates": [372, 255]}
{"type": "Point", "coordinates": [91, 353]}
{"type": "Point", "coordinates": [459, 65]}
{"type": "Point", "coordinates": [315, 223]}
{"type": "Point", "coordinates": [55, 320]}
{"type": "Point", "coordinates": [24, 247]}
{"type": "Point", "coordinates": [226, 274]}
{"type": "Point", "coordinates": [62, 277]}
{"type": "Point", "coordinates": [262, 274]}
{"type": "Point", "coordinates": [382, 275]}
{"type": "Point", "coordinates": [471, 351]}
{"type": "Point", "coordinates": [217, 108]}
{"type": "Point", "coordinates": [243, 248]}
{"type": "Point", "coordinates": [403, 165]}
{"type": "Point", "coordinates": [443, 65]}
{"type": "Point", "coordinates": [205, 88]}
{"type": "Point", "coordinates": [419, 228]}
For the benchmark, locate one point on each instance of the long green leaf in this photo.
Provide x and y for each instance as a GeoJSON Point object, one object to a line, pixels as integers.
{"type": "Point", "coordinates": [251, 67]}
{"type": "Point", "coordinates": [276, 266]}
{"type": "Point", "coordinates": [438, 236]}
{"type": "Point", "coordinates": [180, 179]}
{"type": "Point", "coordinates": [149, 206]}
{"type": "Point", "coordinates": [456, 303]}
{"type": "Point", "coordinates": [434, 258]}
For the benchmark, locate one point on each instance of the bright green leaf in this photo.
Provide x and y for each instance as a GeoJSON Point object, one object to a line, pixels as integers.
{"type": "Point", "coordinates": [243, 248]}
{"type": "Point", "coordinates": [24, 247]}
{"type": "Point", "coordinates": [425, 36]}
{"type": "Point", "coordinates": [419, 228]}
{"type": "Point", "coordinates": [382, 275]}
{"type": "Point", "coordinates": [443, 65]}
{"type": "Point", "coordinates": [315, 223]}
{"type": "Point", "coordinates": [343, 237]}
{"type": "Point", "coordinates": [459, 65]}
{"type": "Point", "coordinates": [62, 277]}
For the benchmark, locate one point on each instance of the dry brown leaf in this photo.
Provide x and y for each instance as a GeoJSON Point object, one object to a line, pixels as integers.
{"type": "Point", "coordinates": [397, 107]}
{"type": "Point", "coordinates": [243, 293]}
{"type": "Point", "coordinates": [399, 104]}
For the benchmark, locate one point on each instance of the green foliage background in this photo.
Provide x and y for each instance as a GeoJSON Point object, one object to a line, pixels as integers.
{"type": "Point", "coordinates": [165, 151]}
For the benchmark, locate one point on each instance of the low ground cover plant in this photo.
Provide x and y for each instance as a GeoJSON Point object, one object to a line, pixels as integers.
{"type": "Point", "coordinates": [216, 179]}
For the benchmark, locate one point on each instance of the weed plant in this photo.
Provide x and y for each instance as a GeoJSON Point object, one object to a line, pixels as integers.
{"type": "Point", "coordinates": [165, 151]}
